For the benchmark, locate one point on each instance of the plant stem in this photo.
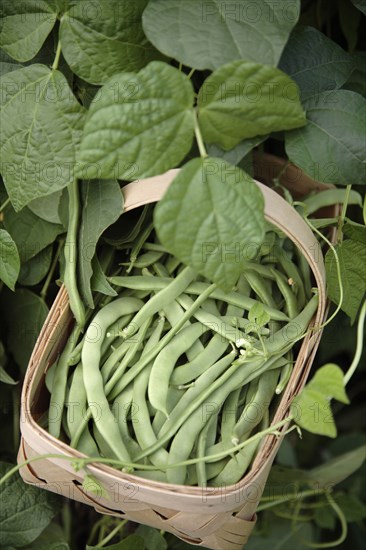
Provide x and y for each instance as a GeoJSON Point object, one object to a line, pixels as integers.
{"type": "Point", "coordinates": [200, 143]}
{"type": "Point", "coordinates": [5, 204]}
{"type": "Point", "coordinates": [190, 74]}
{"type": "Point", "coordinates": [343, 523]}
{"type": "Point", "coordinates": [281, 500]}
{"type": "Point", "coordinates": [43, 292]}
{"type": "Point", "coordinates": [57, 57]}
{"type": "Point", "coordinates": [343, 214]}
{"type": "Point", "coordinates": [359, 345]}
{"type": "Point", "coordinates": [112, 533]}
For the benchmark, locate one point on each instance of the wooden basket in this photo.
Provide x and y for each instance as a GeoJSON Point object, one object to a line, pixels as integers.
{"type": "Point", "coordinates": [217, 518]}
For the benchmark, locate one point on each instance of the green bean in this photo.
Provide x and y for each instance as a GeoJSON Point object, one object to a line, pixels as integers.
{"type": "Point", "coordinates": [283, 340]}
{"type": "Point", "coordinates": [304, 269]}
{"type": "Point", "coordinates": [59, 384]}
{"type": "Point", "coordinates": [93, 380]}
{"type": "Point", "coordinates": [160, 300]}
{"type": "Point", "coordinates": [214, 323]}
{"type": "Point", "coordinates": [292, 273]}
{"type": "Point", "coordinates": [292, 309]}
{"type": "Point", "coordinates": [77, 411]}
{"type": "Point", "coordinates": [191, 421]}
{"type": "Point", "coordinates": [128, 359]}
{"type": "Point", "coordinates": [234, 298]}
{"type": "Point", "coordinates": [210, 306]}
{"type": "Point", "coordinates": [258, 404]}
{"type": "Point", "coordinates": [135, 369]}
{"type": "Point", "coordinates": [260, 288]}
{"type": "Point", "coordinates": [201, 451]}
{"type": "Point", "coordinates": [174, 312]}
{"type": "Point", "coordinates": [210, 354]}
{"type": "Point", "coordinates": [174, 396]}
{"type": "Point", "coordinates": [121, 408]}
{"type": "Point", "coordinates": [145, 260]}
{"type": "Point", "coordinates": [144, 432]}
{"type": "Point", "coordinates": [71, 255]}
{"type": "Point", "coordinates": [50, 375]}
{"type": "Point", "coordinates": [165, 362]}
{"type": "Point", "coordinates": [236, 467]}
{"type": "Point", "coordinates": [205, 385]}
{"type": "Point", "coordinates": [229, 413]}
{"type": "Point", "coordinates": [141, 238]}
{"type": "Point", "coordinates": [285, 374]}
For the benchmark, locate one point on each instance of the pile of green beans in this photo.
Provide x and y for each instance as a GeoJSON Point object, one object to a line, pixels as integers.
{"type": "Point", "coordinates": [175, 369]}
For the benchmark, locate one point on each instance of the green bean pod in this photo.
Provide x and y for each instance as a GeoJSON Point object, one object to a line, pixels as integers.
{"type": "Point", "coordinates": [165, 362]}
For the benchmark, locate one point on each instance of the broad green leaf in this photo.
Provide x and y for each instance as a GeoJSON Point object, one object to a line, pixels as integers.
{"type": "Point", "coordinates": [9, 260]}
{"type": "Point", "coordinates": [47, 207]}
{"type": "Point", "coordinates": [153, 539]}
{"type": "Point", "coordinates": [52, 538]}
{"type": "Point", "coordinates": [24, 314]}
{"type": "Point", "coordinates": [34, 270]}
{"type": "Point", "coordinates": [315, 62]}
{"type": "Point", "coordinates": [98, 281]}
{"type": "Point", "coordinates": [5, 377]}
{"type": "Point", "coordinates": [337, 469]}
{"type": "Point", "coordinates": [357, 80]}
{"type": "Point", "coordinates": [355, 231]}
{"type": "Point", "coordinates": [325, 517]}
{"type": "Point", "coordinates": [354, 509]}
{"type": "Point", "coordinates": [25, 26]}
{"type": "Point", "coordinates": [132, 542]}
{"type": "Point", "coordinates": [102, 205]}
{"type": "Point", "coordinates": [105, 37]}
{"type": "Point", "coordinates": [7, 64]}
{"type": "Point", "coordinates": [206, 34]}
{"type": "Point", "coordinates": [330, 147]}
{"type": "Point", "coordinates": [212, 218]}
{"type": "Point", "coordinates": [352, 262]}
{"type": "Point", "coordinates": [311, 409]}
{"type": "Point", "coordinates": [313, 413]}
{"type": "Point", "coordinates": [329, 381]}
{"type": "Point", "coordinates": [141, 125]}
{"type": "Point", "coordinates": [360, 4]}
{"type": "Point", "coordinates": [40, 128]}
{"type": "Point", "coordinates": [25, 511]}
{"type": "Point", "coordinates": [243, 100]}
{"type": "Point", "coordinates": [30, 233]}
{"type": "Point", "coordinates": [237, 153]}
{"type": "Point", "coordinates": [280, 535]}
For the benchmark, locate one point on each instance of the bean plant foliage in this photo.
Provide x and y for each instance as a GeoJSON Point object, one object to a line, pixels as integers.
{"type": "Point", "coordinates": [98, 93]}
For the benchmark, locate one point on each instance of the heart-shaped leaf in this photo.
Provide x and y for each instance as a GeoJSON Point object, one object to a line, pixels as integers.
{"type": "Point", "coordinates": [25, 26]}
{"type": "Point", "coordinates": [315, 62]}
{"type": "Point", "coordinates": [140, 125]}
{"type": "Point", "coordinates": [330, 147]}
{"type": "Point", "coordinates": [9, 260]}
{"type": "Point", "coordinates": [243, 100]}
{"type": "Point", "coordinates": [37, 160]}
{"type": "Point", "coordinates": [311, 409]}
{"type": "Point", "coordinates": [102, 38]}
{"type": "Point", "coordinates": [212, 218]}
{"type": "Point", "coordinates": [206, 34]}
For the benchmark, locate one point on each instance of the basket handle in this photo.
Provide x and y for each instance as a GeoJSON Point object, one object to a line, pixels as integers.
{"type": "Point", "coordinates": [276, 210]}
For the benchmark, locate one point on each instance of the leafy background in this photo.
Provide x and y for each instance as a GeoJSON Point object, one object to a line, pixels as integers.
{"type": "Point", "coordinates": [323, 50]}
